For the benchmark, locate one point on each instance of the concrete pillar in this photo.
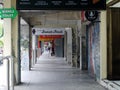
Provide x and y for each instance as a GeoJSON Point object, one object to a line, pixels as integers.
{"type": "Point", "coordinates": [65, 45]}
{"type": "Point", "coordinates": [30, 48]}
{"type": "Point", "coordinates": [69, 45]}
{"type": "Point", "coordinates": [33, 50]}
{"type": "Point", "coordinates": [103, 46]}
{"type": "Point", "coordinates": [16, 48]}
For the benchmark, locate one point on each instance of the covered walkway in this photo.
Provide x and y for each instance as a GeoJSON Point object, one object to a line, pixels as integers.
{"type": "Point", "coordinates": [51, 73]}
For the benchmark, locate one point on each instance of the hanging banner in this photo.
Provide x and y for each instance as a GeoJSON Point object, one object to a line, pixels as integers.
{"type": "Point", "coordinates": [61, 4]}
{"type": "Point", "coordinates": [48, 31]}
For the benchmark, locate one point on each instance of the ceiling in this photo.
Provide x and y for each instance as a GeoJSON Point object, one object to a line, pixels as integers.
{"type": "Point", "coordinates": [41, 17]}
{"type": "Point", "coordinates": [117, 5]}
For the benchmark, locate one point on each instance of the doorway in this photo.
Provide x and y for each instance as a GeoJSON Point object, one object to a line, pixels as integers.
{"type": "Point", "coordinates": [114, 44]}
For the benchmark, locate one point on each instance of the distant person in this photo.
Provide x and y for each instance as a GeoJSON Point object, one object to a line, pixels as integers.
{"type": "Point", "coordinates": [49, 49]}
{"type": "Point", "coordinates": [53, 52]}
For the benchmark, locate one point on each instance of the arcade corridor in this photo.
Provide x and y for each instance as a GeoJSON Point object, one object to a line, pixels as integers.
{"type": "Point", "coordinates": [85, 32]}
{"type": "Point", "coordinates": [51, 73]}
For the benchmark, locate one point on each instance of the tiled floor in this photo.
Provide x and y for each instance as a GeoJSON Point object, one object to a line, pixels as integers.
{"type": "Point", "coordinates": [51, 73]}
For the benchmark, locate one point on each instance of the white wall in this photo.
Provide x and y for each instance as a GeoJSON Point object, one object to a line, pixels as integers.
{"type": "Point", "coordinates": [103, 46]}
{"type": "Point", "coordinates": [6, 40]}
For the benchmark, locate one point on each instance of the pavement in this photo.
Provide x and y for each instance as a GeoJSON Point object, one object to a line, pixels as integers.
{"type": "Point", "coordinates": [53, 73]}
{"type": "Point", "coordinates": [111, 84]}
{"type": "Point", "coordinates": [3, 75]}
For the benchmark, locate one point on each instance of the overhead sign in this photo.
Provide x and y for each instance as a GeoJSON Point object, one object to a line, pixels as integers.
{"type": "Point", "coordinates": [61, 4]}
{"type": "Point", "coordinates": [48, 31]}
{"type": "Point", "coordinates": [91, 15]}
{"type": "Point", "coordinates": [8, 13]}
{"type": "Point", "coordinates": [48, 37]}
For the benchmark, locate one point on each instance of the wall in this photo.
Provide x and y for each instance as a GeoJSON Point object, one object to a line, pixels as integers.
{"type": "Point", "coordinates": [103, 46]}
{"type": "Point", "coordinates": [24, 42]}
{"type": "Point", "coordinates": [74, 47]}
{"type": "Point", "coordinates": [93, 49]}
{"type": "Point", "coordinates": [7, 31]}
{"type": "Point", "coordinates": [59, 47]}
{"type": "Point", "coordinates": [11, 39]}
{"type": "Point", "coordinates": [84, 61]}
{"type": "Point", "coordinates": [6, 39]}
{"type": "Point", "coordinates": [96, 47]}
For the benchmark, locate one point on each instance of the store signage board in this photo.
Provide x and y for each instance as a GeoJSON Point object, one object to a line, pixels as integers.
{"type": "Point", "coordinates": [8, 13]}
{"type": "Point", "coordinates": [48, 37]}
{"type": "Point", "coordinates": [61, 4]}
{"type": "Point", "coordinates": [48, 31]}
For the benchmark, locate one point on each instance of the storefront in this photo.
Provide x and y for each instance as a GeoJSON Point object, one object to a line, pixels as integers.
{"type": "Point", "coordinates": [94, 53]}
{"type": "Point", "coordinates": [113, 47]}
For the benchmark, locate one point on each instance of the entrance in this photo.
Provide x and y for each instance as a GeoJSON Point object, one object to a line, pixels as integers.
{"type": "Point", "coordinates": [114, 44]}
